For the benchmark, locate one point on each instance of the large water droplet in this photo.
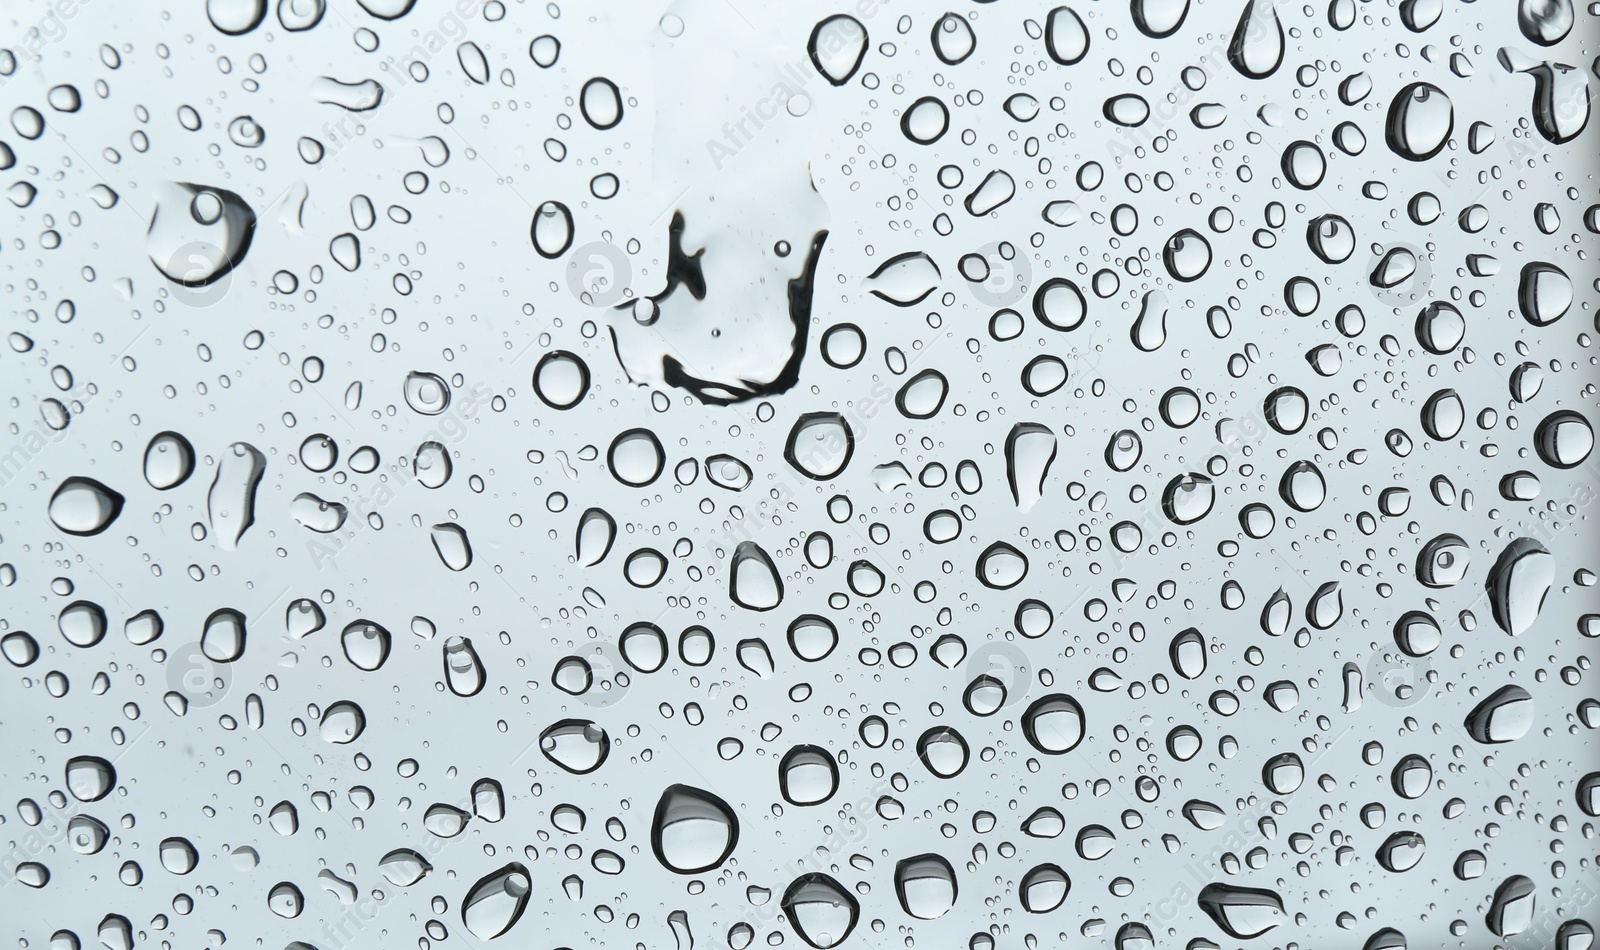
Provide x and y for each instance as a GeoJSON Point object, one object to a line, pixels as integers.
{"type": "Point", "coordinates": [807, 775]}
{"type": "Point", "coordinates": [1505, 716]}
{"type": "Point", "coordinates": [1256, 49]}
{"type": "Point", "coordinates": [1030, 451]}
{"type": "Point", "coordinates": [577, 745]}
{"type": "Point", "coordinates": [926, 886]}
{"type": "Point", "coordinates": [753, 579]}
{"type": "Point", "coordinates": [836, 47]}
{"type": "Point", "coordinates": [1564, 439]}
{"type": "Point", "coordinates": [1054, 724]}
{"type": "Point", "coordinates": [1421, 118]}
{"type": "Point", "coordinates": [1518, 583]}
{"type": "Point", "coordinates": [463, 670]}
{"type": "Point", "coordinates": [495, 904]}
{"type": "Point", "coordinates": [821, 911]}
{"type": "Point", "coordinates": [90, 778]}
{"type": "Point", "coordinates": [1066, 39]}
{"type": "Point", "coordinates": [84, 507]}
{"type": "Point", "coordinates": [1242, 912]}
{"type": "Point", "coordinates": [1511, 908]}
{"type": "Point", "coordinates": [1043, 888]}
{"type": "Point", "coordinates": [198, 234]}
{"type": "Point", "coordinates": [693, 830]}
{"type": "Point", "coordinates": [231, 502]}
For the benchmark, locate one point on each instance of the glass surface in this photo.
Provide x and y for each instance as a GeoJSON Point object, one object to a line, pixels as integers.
{"type": "Point", "coordinates": [734, 474]}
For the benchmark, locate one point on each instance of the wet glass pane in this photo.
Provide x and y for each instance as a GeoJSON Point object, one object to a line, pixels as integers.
{"type": "Point", "coordinates": [721, 474]}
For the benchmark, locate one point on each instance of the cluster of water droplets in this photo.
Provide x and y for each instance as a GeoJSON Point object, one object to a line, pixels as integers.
{"type": "Point", "coordinates": [779, 476]}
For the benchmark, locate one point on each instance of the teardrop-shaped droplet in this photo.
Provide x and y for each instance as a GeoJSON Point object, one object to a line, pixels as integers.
{"type": "Point", "coordinates": [1066, 39]}
{"type": "Point", "coordinates": [597, 530]}
{"type": "Point", "coordinates": [836, 47]}
{"type": "Point", "coordinates": [451, 544]}
{"type": "Point", "coordinates": [1256, 49]}
{"type": "Point", "coordinates": [1401, 851]}
{"type": "Point", "coordinates": [343, 722]}
{"type": "Point", "coordinates": [1560, 96]}
{"type": "Point", "coordinates": [1150, 329]}
{"type": "Point", "coordinates": [1326, 606]}
{"type": "Point", "coordinates": [403, 867]}
{"type": "Point", "coordinates": [1030, 451]}
{"type": "Point", "coordinates": [303, 617]}
{"type": "Point", "coordinates": [495, 904]}
{"type": "Point", "coordinates": [997, 188]}
{"type": "Point", "coordinates": [84, 507]}
{"type": "Point", "coordinates": [231, 502]}
{"type": "Point", "coordinates": [1043, 888]}
{"type": "Point", "coordinates": [1505, 716]}
{"type": "Point", "coordinates": [1242, 912]}
{"type": "Point", "coordinates": [693, 831]}
{"type": "Point", "coordinates": [821, 911]}
{"type": "Point", "coordinates": [1511, 908]}
{"type": "Point", "coordinates": [754, 583]}
{"type": "Point", "coordinates": [463, 670]}
{"type": "Point", "coordinates": [1518, 583]}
